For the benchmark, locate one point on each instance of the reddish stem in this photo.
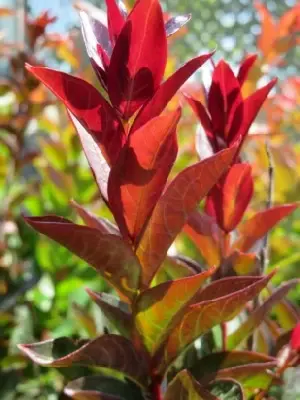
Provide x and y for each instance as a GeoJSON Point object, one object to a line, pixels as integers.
{"type": "Point", "coordinates": [155, 388]}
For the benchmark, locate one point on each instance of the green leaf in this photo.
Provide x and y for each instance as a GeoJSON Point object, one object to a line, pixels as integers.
{"type": "Point", "coordinates": [114, 310]}
{"type": "Point", "coordinates": [227, 389]}
{"type": "Point", "coordinates": [185, 387]}
{"type": "Point", "coordinates": [107, 351]}
{"type": "Point", "coordinates": [257, 316]}
{"type": "Point", "coordinates": [158, 309]}
{"type": "Point", "coordinates": [219, 302]}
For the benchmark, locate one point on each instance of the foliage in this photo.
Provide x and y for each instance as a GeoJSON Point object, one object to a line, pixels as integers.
{"type": "Point", "coordinates": [160, 307]}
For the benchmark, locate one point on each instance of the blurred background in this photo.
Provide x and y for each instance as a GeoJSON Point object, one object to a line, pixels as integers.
{"type": "Point", "coordinates": [42, 166]}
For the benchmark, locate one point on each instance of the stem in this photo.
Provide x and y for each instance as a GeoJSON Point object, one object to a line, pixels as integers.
{"type": "Point", "coordinates": [155, 388]}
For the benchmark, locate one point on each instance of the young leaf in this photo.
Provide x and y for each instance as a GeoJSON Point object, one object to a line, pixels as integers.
{"type": "Point", "coordinates": [229, 199]}
{"type": "Point", "coordinates": [91, 220]}
{"type": "Point", "coordinates": [108, 254]}
{"type": "Point", "coordinates": [159, 309]}
{"type": "Point", "coordinates": [211, 310]}
{"type": "Point", "coordinates": [115, 20]}
{"type": "Point", "coordinates": [167, 90]}
{"type": "Point", "coordinates": [259, 225]}
{"type": "Point", "coordinates": [88, 107]}
{"type": "Point", "coordinates": [175, 23]}
{"type": "Point", "coordinates": [107, 351]}
{"type": "Point", "coordinates": [101, 387]}
{"type": "Point", "coordinates": [206, 235]}
{"type": "Point", "coordinates": [257, 316]}
{"type": "Point", "coordinates": [134, 74]}
{"type": "Point", "coordinates": [114, 310]}
{"type": "Point", "coordinates": [185, 387]}
{"type": "Point", "coordinates": [174, 207]}
{"type": "Point", "coordinates": [138, 178]}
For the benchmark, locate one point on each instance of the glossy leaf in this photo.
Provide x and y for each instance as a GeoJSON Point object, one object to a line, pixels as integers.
{"type": "Point", "coordinates": [117, 312]}
{"type": "Point", "coordinates": [295, 338]}
{"type": "Point", "coordinates": [101, 387]}
{"type": "Point", "coordinates": [257, 316]}
{"type": "Point", "coordinates": [229, 199]}
{"type": "Point", "coordinates": [91, 220]}
{"type": "Point", "coordinates": [185, 387]}
{"type": "Point", "coordinates": [159, 309]}
{"type": "Point", "coordinates": [211, 309]}
{"type": "Point", "coordinates": [258, 226]}
{"type": "Point", "coordinates": [176, 23]}
{"type": "Point", "coordinates": [167, 90]}
{"type": "Point", "coordinates": [139, 177]}
{"type": "Point", "coordinates": [107, 351]}
{"type": "Point", "coordinates": [174, 207]}
{"type": "Point", "coordinates": [227, 389]}
{"type": "Point", "coordinates": [206, 235]}
{"type": "Point", "coordinates": [134, 74]}
{"type": "Point", "coordinates": [115, 20]}
{"type": "Point", "coordinates": [88, 107]}
{"type": "Point", "coordinates": [108, 254]}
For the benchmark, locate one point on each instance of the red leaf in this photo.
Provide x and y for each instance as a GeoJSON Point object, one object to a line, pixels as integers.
{"type": "Point", "coordinates": [167, 90]}
{"type": "Point", "coordinates": [247, 112]}
{"type": "Point", "coordinates": [245, 67]}
{"type": "Point", "coordinates": [229, 199]}
{"type": "Point", "coordinates": [206, 235]}
{"type": "Point", "coordinates": [223, 96]}
{"type": "Point", "coordinates": [134, 73]}
{"type": "Point", "coordinates": [108, 254]}
{"type": "Point", "coordinates": [295, 339]}
{"type": "Point", "coordinates": [88, 106]}
{"type": "Point", "coordinates": [212, 309]}
{"type": "Point", "coordinates": [174, 207]}
{"type": "Point", "coordinates": [138, 178]}
{"type": "Point", "coordinates": [115, 20]}
{"type": "Point", "coordinates": [91, 220]}
{"type": "Point", "coordinates": [107, 351]}
{"type": "Point", "coordinates": [259, 225]}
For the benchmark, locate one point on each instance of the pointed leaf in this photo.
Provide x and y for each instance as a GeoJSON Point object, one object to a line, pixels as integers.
{"type": "Point", "coordinates": [94, 155]}
{"type": "Point", "coordinates": [174, 207]}
{"type": "Point", "coordinates": [206, 235]}
{"type": "Point", "coordinates": [167, 90]}
{"type": "Point", "coordinates": [91, 220]}
{"type": "Point", "coordinates": [174, 268]}
{"type": "Point", "coordinates": [138, 178]}
{"type": "Point", "coordinates": [258, 315]}
{"type": "Point", "coordinates": [107, 351]}
{"type": "Point", "coordinates": [211, 310]}
{"type": "Point", "coordinates": [134, 74]}
{"type": "Point", "coordinates": [215, 362]}
{"type": "Point", "coordinates": [114, 310]}
{"type": "Point", "coordinates": [260, 224]}
{"type": "Point", "coordinates": [115, 20]}
{"type": "Point", "coordinates": [295, 338]}
{"type": "Point", "coordinates": [229, 199]}
{"type": "Point", "coordinates": [245, 67]}
{"type": "Point", "coordinates": [175, 23]}
{"type": "Point", "coordinates": [108, 254]}
{"type": "Point", "coordinates": [247, 112]}
{"type": "Point", "coordinates": [185, 387]}
{"type": "Point", "coordinates": [101, 387]}
{"type": "Point", "coordinates": [159, 309]}
{"type": "Point", "coordinates": [84, 320]}
{"type": "Point", "coordinates": [88, 106]}
{"type": "Point", "coordinates": [227, 389]}
{"type": "Point", "coordinates": [268, 29]}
